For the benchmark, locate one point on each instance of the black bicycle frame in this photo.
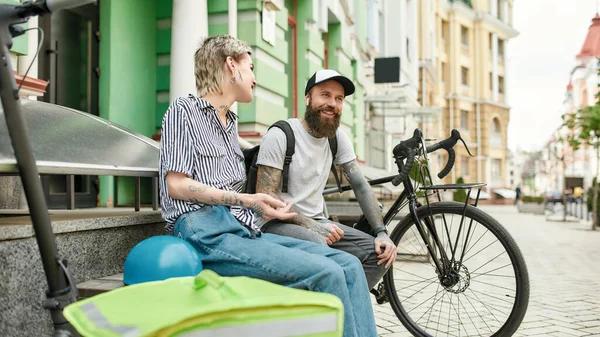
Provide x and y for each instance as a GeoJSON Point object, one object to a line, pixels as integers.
{"type": "Point", "coordinates": [60, 291]}
{"type": "Point", "coordinates": [408, 193]}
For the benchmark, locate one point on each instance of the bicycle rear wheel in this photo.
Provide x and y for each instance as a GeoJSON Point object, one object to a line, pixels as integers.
{"type": "Point", "coordinates": [486, 294]}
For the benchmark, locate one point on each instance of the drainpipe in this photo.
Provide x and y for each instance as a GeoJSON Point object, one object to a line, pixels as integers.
{"type": "Point", "coordinates": [232, 19]}
{"type": "Point", "coordinates": [477, 113]}
{"type": "Point", "coordinates": [452, 68]}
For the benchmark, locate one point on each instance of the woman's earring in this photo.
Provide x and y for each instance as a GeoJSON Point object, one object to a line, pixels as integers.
{"type": "Point", "coordinates": [232, 80]}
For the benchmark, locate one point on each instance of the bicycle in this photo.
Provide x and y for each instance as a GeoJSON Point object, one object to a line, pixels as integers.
{"type": "Point", "coordinates": [467, 295]}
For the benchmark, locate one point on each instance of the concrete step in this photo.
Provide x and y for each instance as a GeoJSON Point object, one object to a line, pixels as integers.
{"type": "Point", "coordinates": [97, 286]}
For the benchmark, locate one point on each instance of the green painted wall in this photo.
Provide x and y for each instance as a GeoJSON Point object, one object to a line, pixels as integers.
{"type": "Point", "coordinates": [127, 75]}
{"type": "Point", "coordinates": [19, 45]}
{"type": "Point", "coordinates": [142, 48]}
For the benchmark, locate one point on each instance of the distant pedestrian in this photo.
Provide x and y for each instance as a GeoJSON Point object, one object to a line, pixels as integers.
{"type": "Point", "coordinates": [518, 196]}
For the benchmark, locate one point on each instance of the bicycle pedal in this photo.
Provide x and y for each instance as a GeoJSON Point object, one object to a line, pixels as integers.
{"type": "Point", "coordinates": [380, 295]}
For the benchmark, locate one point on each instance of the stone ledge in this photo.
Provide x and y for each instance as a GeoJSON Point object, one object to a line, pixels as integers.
{"type": "Point", "coordinates": [19, 227]}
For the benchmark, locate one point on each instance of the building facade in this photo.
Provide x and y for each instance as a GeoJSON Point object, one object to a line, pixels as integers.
{"type": "Point", "coordinates": [125, 61]}
{"type": "Point", "coordinates": [581, 165]}
{"type": "Point", "coordinates": [465, 43]}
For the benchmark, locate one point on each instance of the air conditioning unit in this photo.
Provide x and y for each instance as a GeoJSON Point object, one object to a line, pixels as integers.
{"type": "Point", "coordinates": [274, 5]}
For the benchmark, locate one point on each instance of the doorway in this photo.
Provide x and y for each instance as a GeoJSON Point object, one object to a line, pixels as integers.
{"type": "Point", "coordinates": [69, 60]}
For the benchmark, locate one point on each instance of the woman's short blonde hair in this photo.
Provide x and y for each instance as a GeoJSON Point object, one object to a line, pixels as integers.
{"type": "Point", "coordinates": [209, 59]}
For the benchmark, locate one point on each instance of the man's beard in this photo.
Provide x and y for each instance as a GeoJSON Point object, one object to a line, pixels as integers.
{"type": "Point", "coordinates": [321, 127]}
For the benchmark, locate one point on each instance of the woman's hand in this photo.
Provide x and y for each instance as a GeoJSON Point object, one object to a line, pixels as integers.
{"type": "Point", "coordinates": [268, 207]}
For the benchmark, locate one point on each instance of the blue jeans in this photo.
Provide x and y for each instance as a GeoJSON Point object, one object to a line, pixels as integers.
{"type": "Point", "coordinates": [227, 248]}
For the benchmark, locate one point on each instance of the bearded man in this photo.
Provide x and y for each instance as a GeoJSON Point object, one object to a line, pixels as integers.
{"type": "Point", "coordinates": [309, 170]}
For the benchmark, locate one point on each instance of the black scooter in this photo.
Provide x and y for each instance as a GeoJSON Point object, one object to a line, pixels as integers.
{"type": "Point", "coordinates": [61, 288]}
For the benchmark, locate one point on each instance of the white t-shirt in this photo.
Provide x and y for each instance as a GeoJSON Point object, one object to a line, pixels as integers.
{"type": "Point", "coordinates": [310, 166]}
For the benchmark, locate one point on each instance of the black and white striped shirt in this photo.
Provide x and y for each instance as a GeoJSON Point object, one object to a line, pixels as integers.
{"type": "Point", "coordinates": [195, 142]}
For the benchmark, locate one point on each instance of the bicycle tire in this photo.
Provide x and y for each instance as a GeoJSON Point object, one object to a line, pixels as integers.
{"type": "Point", "coordinates": [424, 328]}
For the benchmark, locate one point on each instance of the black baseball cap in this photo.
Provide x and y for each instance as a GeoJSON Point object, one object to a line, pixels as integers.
{"type": "Point", "coordinates": [327, 74]}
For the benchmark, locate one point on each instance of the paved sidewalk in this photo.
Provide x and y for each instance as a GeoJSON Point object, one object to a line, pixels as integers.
{"type": "Point", "coordinates": [563, 260]}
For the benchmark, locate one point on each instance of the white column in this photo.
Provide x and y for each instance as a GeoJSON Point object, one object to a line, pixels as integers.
{"type": "Point", "coordinates": [232, 18]}
{"type": "Point", "coordinates": [493, 7]}
{"type": "Point", "coordinates": [505, 58]}
{"type": "Point", "coordinates": [32, 46]}
{"type": "Point", "coordinates": [189, 26]}
{"type": "Point", "coordinates": [495, 67]}
{"type": "Point", "coordinates": [504, 11]}
{"type": "Point", "coordinates": [414, 45]}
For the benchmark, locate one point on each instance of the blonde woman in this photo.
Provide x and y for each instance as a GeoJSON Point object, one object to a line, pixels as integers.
{"type": "Point", "coordinates": [202, 172]}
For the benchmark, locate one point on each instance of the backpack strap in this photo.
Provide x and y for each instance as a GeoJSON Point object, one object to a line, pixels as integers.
{"type": "Point", "coordinates": [289, 151]}
{"type": "Point", "coordinates": [333, 146]}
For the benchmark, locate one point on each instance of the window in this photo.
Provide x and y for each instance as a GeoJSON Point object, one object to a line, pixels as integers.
{"type": "Point", "coordinates": [408, 49]}
{"type": "Point", "coordinates": [501, 84]}
{"type": "Point", "coordinates": [373, 24]}
{"type": "Point", "coordinates": [496, 136]}
{"type": "Point", "coordinates": [491, 42]}
{"type": "Point", "coordinates": [464, 76]}
{"type": "Point", "coordinates": [464, 36]}
{"type": "Point", "coordinates": [496, 168]}
{"type": "Point", "coordinates": [464, 120]}
{"type": "Point", "coordinates": [499, 9]}
{"type": "Point", "coordinates": [500, 48]}
{"type": "Point", "coordinates": [445, 31]}
{"type": "Point", "coordinates": [444, 73]}
{"type": "Point", "coordinates": [464, 166]}
{"type": "Point", "coordinates": [491, 81]}
{"type": "Point", "coordinates": [496, 126]}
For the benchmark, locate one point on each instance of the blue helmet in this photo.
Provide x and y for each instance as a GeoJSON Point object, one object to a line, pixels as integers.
{"type": "Point", "coordinates": [159, 258]}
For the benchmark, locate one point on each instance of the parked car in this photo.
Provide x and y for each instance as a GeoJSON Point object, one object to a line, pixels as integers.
{"type": "Point", "coordinates": [553, 196]}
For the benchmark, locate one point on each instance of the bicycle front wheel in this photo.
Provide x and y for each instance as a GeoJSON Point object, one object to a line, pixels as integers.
{"type": "Point", "coordinates": [484, 288]}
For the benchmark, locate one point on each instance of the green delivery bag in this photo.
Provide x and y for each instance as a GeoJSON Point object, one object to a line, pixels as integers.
{"type": "Point", "coordinates": [208, 305]}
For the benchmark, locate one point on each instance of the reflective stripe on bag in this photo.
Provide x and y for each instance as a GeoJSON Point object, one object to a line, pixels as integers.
{"type": "Point", "coordinates": [293, 327]}
{"type": "Point", "coordinates": [94, 314]}
{"type": "Point", "coordinates": [285, 328]}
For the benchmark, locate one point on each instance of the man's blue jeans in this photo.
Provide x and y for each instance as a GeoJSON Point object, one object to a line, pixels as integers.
{"type": "Point", "coordinates": [227, 248]}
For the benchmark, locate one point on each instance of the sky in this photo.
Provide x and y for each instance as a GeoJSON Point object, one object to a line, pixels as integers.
{"type": "Point", "coordinates": [540, 60]}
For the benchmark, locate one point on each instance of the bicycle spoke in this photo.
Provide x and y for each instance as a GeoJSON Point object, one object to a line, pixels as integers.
{"type": "Point", "coordinates": [492, 284]}
{"type": "Point", "coordinates": [501, 299]}
{"type": "Point", "coordinates": [495, 257]}
{"type": "Point", "coordinates": [430, 311]}
{"type": "Point", "coordinates": [478, 314]}
{"type": "Point", "coordinates": [489, 271]}
{"type": "Point", "coordinates": [484, 248]}
{"type": "Point", "coordinates": [475, 244]}
{"type": "Point", "coordinates": [470, 318]}
{"type": "Point", "coordinates": [418, 291]}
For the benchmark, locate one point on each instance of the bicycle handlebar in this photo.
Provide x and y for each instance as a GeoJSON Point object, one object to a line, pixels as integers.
{"type": "Point", "coordinates": [408, 148]}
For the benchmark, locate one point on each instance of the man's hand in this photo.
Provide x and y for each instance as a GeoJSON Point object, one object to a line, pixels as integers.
{"type": "Point", "coordinates": [330, 231]}
{"type": "Point", "coordinates": [268, 207]}
{"type": "Point", "coordinates": [386, 250]}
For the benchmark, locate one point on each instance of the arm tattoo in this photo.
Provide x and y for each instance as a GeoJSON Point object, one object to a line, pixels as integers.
{"type": "Point", "coordinates": [268, 179]}
{"type": "Point", "coordinates": [231, 198]}
{"type": "Point", "coordinates": [198, 189]}
{"type": "Point", "coordinates": [364, 194]}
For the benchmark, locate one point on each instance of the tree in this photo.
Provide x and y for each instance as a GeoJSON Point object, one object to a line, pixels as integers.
{"type": "Point", "coordinates": [585, 131]}
{"type": "Point", "coordinates": [460, 194]}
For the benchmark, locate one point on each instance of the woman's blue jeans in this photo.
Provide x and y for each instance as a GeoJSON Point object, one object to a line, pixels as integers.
{"type": "Point", "coordinates": [227, 248]}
